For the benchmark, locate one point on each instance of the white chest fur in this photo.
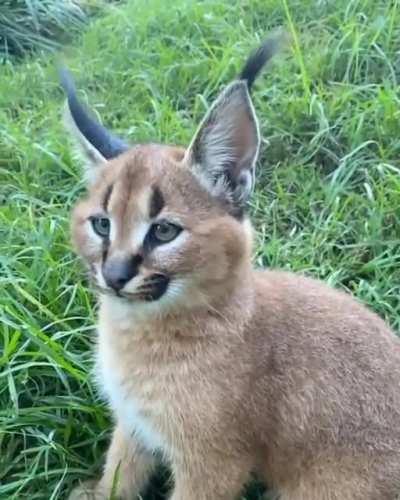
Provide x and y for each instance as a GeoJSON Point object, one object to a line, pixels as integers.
{"type": "Point", "coordinates": [138, 415]}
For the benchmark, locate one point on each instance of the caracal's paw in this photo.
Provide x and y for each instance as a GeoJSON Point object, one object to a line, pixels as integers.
{"type": "Point", "coordinates": [88, 490]}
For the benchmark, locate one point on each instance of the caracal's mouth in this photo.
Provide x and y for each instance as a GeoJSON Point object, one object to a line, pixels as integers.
{"type": "Point", "coordinates": [152, 289]}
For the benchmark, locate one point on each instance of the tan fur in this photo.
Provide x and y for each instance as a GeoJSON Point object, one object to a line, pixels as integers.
{"type": "Point", "coordinates": [244, 371]}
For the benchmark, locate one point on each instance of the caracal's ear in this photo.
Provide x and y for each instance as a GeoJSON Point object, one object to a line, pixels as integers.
{"type": "Point", "coordinates": [225, 147]}
{"type": "Point", "coordinates": [95, 144]}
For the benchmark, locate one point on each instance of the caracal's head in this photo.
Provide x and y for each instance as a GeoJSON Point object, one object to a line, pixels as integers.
{"type": "Point", "coordinates": [165, 226]}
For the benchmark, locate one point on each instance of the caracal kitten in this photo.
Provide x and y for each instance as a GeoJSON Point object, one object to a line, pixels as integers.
{"type": "Point", "coordinates": [222, 370]}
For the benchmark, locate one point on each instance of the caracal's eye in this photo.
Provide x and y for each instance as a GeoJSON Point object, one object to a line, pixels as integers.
{"type": "Point", "coordinates": [163, 232]}
{"type": "Point", "coordinates": [101, 225]}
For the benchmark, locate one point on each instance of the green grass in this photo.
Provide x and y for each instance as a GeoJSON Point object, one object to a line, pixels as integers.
{"type": "Point", "coordinates": [327, 203]}
{"type": "Point", "coordinates": [27, 25]}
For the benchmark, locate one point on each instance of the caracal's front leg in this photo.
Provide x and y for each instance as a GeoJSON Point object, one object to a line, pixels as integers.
{"type": "Point", "coordinates": [210, 477]}
{"type": "Point", "coordinates": [127, 470]}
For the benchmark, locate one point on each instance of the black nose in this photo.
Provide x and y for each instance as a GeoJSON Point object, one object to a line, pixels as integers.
{"type": "Point", "coordinates": [118, 271]}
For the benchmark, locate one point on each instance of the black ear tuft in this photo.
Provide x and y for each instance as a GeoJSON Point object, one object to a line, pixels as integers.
{"type": "Point", "coordinates": [106, 144]}
{"type": "Point", "coordinates": [259, 58]}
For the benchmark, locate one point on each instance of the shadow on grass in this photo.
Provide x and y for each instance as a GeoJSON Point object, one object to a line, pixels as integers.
{"type": "Point", "coordinates": [161, 485]}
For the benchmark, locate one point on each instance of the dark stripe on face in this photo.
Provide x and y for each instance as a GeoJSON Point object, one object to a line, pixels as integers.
{"type": "Point", "coordinates": [157, 202]}
{"type": "Point", "coordinates": [107, 197]}
{"type": "Point", "coordinates": [105, 246]}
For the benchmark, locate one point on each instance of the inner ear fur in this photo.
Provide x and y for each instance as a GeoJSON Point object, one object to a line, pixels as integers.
{"type": "Point", "coordinates": [225, 147]}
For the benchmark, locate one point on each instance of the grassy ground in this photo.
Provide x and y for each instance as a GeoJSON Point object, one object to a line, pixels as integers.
{"type": "Point", "coordinates": [28, 25]}
{"type": "Point", "coordinates": [328, 199]}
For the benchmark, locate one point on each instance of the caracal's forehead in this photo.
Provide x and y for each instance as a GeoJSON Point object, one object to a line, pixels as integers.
{"type": "Point", "coordinates": [148, 180]}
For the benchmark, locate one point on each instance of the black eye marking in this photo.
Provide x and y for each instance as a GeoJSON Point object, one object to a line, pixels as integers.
{"type": "Point", "coordinates": [157, 202]}
{"type": "Point", "coordinates": [101, 225]}
{"type": "Point", "coordinates": [107, 197]}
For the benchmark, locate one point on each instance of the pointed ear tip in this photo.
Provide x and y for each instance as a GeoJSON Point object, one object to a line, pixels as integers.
{"type": "Point", "coordinates": [279, 35]}
{"type": "Point", "coordinates": [239, 86]}
{"type": "Point", "coordinates": [274, 43]}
